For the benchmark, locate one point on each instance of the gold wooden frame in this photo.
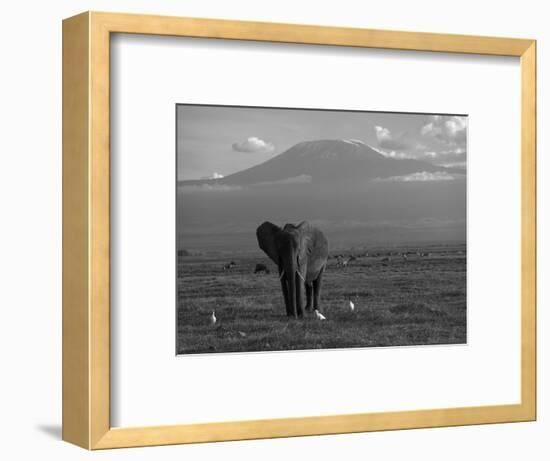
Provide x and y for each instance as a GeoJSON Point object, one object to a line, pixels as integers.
{"type": "Point", "coordinates": [86, 393]}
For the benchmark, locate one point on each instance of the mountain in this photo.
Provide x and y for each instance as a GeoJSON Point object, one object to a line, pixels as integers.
{"type": "Point", "coordinates": [330, 183]}
{"type": "Point", "coordinates": [326, 161]}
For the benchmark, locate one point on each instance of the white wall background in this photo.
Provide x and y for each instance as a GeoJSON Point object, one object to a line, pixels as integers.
{"type": "Point", "coordinates": [30, 234]}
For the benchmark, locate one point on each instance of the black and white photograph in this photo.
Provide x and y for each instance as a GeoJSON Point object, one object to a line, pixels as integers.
{"type": "Point", "coordinates": [301, 229]}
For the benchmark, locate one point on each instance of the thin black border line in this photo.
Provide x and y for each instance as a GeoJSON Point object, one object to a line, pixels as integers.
{"type": "Point", "coordinates": [316, 109]}
{"type": "Point", "coordinates": [236, 106]}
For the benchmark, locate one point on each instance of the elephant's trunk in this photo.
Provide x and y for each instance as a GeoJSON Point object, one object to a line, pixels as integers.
{"type": "Point", "coordinates": [289, 277]}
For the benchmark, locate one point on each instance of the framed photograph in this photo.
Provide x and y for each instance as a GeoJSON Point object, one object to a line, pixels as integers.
{"type": "Point", "coordinates": [276, 230]}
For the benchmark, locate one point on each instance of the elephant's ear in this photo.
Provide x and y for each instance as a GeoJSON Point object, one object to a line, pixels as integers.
{"type": "Point", "coordinates": [266, 240]}
{"type": "Point", "coordinates": [306, 242]}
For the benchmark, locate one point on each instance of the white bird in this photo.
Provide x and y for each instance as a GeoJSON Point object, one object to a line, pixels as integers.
{"type": "Point", "coordinates": [319, 315]}
{"type": "Point", "coordinates": [213, 318]}
{"type": "Point", "coordinates": [351, 305]}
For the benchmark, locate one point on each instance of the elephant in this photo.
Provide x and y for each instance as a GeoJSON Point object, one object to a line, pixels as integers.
{"type": "Point", "coordinates": [300, 253]}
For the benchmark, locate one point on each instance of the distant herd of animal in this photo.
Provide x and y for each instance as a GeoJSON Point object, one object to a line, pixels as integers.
{"type": "Point", "coordinates": [341, 259]}
{"type": "Point", "coordinates": [344, 260]}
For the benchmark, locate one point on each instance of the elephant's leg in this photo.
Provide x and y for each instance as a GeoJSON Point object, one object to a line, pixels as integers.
{"type": "Point", "coordinates": [299, 284]}
{"type": "Point", "coordinates": [317, 289]}
{"type": "Point", "coordinates": [309, 297]}
{"type": "Point", "coordinates": [285, 295]}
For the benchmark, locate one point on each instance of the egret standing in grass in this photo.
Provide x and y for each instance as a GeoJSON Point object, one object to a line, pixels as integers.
{"type": "Point", "coordinates": [319, 315]}
{"type": "Point", "coordinates": [351, 305]}
{"type": "Point", "coordinates": [213, 318]}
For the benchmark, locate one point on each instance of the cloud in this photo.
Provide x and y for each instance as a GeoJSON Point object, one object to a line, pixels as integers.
{"type": "Point", "coordinates": [430, 128]}
{"type": "Point", "coordinates": [415, 153]}
{"type": "Point", "coordinates": [253, 145]}
{"type": "Point", "coordinates": [387, 141]}
{"type": "Point", "coordinates": [302, 179]}
{"type": "Point", "coordinates": [453, 165]}
{"type": "Point", "coordinates": [450, 130]}
{"type": "Point", "coordinates": [456, 126]}
{"type": "Point", "coordinates": [443, 156]}
{"type": "Point", "coordinates": [421, 176]}
{"type": "Point", "coordinates": [441, 140]}
{"type": "Point", "coordinates": [394, 154]}
{"type": "Point", "coordinates": [382, 133]}
{"type": "Point", "coordinates": [455, 157]}
{"type": "Point", "coordinates": [208, 188]}
{"type": "Point", "coordinates": [213, 176]}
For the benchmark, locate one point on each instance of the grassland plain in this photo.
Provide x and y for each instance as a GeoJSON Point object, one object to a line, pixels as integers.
{"type": "Point", "coordinates": [417, 299]}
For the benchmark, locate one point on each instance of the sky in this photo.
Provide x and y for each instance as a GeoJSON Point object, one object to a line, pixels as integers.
{"type": "Point", "coordinates": [221, 140]}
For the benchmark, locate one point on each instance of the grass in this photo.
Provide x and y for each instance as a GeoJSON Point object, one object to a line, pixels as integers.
{"type": "Point", "coordinates": [413, 301]}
